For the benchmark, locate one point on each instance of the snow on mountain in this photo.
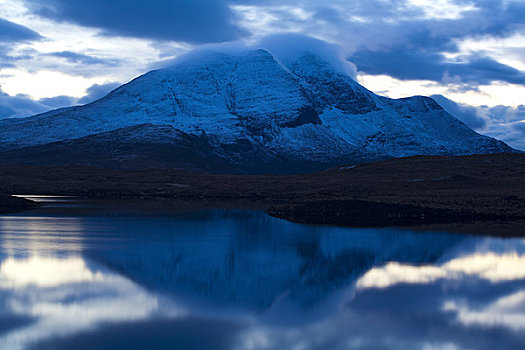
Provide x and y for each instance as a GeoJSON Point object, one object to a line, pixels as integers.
{"type": "Point", "coordinates": [249, 113]}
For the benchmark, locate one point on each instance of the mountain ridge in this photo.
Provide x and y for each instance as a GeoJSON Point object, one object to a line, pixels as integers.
{"type": "Point", "coordinates": [251, 114]}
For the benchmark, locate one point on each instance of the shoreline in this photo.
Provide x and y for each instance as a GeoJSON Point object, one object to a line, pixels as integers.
{"type": "Point", "coordinates": [10, 204]}
{"type": "Point", "coordinates": [504, 228]}
{"type": "Point", "coordinates": [405, 192]}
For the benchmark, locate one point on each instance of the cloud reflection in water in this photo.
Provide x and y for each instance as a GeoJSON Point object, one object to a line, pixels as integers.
{"type": "Point", "coordinates": [66, 296]}
{"type": "Point", "coordinates": [243, 280]}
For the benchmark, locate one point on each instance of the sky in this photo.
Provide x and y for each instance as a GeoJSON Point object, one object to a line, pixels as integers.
{"type": "Point", "coordinates": [468, 55]}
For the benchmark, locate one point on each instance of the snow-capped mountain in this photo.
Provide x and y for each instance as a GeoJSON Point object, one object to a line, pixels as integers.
{"type": "Point", "coordinates": [243, 112]}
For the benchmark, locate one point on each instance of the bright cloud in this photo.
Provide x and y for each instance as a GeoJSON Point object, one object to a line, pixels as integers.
{"type": "Point", "coordinates": [442, 9]}
{"type": "Point", "coordinates": [44, 84]}
{"type": "Point", "coordinates": [506, 311]}
{"type": "Point", "coordinates": [490, 266]}
{"type": "Point", "coordinates": [44, 272]}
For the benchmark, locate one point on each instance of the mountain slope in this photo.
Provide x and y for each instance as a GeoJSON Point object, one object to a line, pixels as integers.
{"type": "Point", "coordinates": [240, 113]}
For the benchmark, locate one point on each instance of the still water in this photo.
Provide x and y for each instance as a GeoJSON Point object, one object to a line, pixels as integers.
{"type": "Point", "coordinates": [107, 275]}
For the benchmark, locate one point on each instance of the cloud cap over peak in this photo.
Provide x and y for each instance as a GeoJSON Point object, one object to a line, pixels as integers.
{"type": "Point", "coordinates": [285, 48]}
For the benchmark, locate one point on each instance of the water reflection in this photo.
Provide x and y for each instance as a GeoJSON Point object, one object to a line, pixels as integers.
{"type": "Point", "coordinates": [113, 277]}
{"type": "Point", "coordinates": [62, 296]}
{"type": "Point", "coordinates": [489, 266]}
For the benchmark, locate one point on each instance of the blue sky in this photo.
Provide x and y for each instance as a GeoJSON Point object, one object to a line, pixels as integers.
{"type": "Point", "coordinates": [56, 53]}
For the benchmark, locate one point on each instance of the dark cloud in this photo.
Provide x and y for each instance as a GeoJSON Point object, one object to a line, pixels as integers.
{"type": "Point", "coordinates": [421, 65]}
{"type": "Point", "coordinates": [58, 101]}
{"type": "Point", "coordinates": [6, 112]}
{"type": "Point", "coordinates": [19, 106]}
{"type": "Point", "coordinates": [328, 15]}
{"type": "Point", "coordinates": [11, 32]}
{"type": "Point", "coordinates": [97, 91]}
{"type": "Point", "coordinates": [400, 64]}
{"type": "Point", "coordinates": [499, 18]}
{"type": "Point", "coordinates": [74, 57]}
{"type": "Point", "coordinates": [520, 127]}
{"type": "Point", "coordinates": [485, 70]}
{"type": "Point", "coordinates": [179, 333]}
{"type": "Point", "coordinates": [179, 20]}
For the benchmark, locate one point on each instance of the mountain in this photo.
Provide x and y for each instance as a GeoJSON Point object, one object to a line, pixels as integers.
{"type": "Point", "coordinates": [275, 263]}
{"type": "Point", "coordinates": [244, 113]}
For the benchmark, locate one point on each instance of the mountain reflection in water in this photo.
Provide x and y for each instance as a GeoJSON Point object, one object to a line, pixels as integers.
{"type": "Point", "coordinates": [96, 275]}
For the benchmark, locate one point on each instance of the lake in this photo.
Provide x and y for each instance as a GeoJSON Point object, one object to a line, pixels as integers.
{"type": "Point", "coordinates": [86, 274]}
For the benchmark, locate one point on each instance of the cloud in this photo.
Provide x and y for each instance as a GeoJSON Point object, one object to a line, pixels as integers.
{"type": "Point", "coordinates": [414, 49]}
{"type": "Point", "coordinates": [8, 58]}
{"type": "Point", "coordinates": [177, 20]}
{"type": "Point", "coordinates": [508, 114]}
{"type": "Point", "coordinates": [97, 91]}
{"type": "Point", "coordinates": [74, 57]}
{"type": "Point", "coordinates": [11, 32]}
{"type": "Point", "coordinates": [405, 40]}
{"type": "Point", "coordinates": [58, 101]}
{"type": "Point", "coordinates": [520, 127]}
{"type": "Point", "coordinates": [5, 59]}
{"type": "Point", "coordinates": [284, 47]}
{"type": "Point", "coordinates": [489, 266]}
{"type": "Point", "coordinates": [441, 21]}
{"type": "Point", "coordinates": [513, 133]}
{"type": "Point", "coordinates": [414, 65]}
{"type": "Point", "coordinates": [502, 122]}
{"type": "Point", "coordinates": [5, 111]}
{"type": "Point", "coordinates": [21, 106]}
{"type": "Point", "coordinates": [512, 136]}
{"type": "Point", "coordinates": [467, 114]}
